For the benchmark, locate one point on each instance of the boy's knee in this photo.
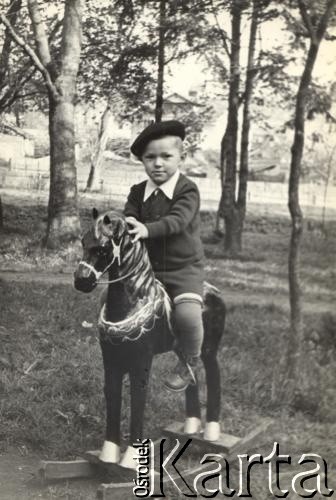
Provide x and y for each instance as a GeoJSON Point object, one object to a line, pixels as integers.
{"type": "Point", "coordinates": [188, 313]}
{"type": "Point", "coordinates": [189, 327]}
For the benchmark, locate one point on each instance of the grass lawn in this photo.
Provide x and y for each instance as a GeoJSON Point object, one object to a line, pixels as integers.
{"type": "Point", "coordinates": [51, 370]}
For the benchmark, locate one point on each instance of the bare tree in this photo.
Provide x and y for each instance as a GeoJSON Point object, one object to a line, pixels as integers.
{"type": "Point", "coordinates": [245, 133]}
{"type": "Point", "coordinates": [94, 179]}
{"type": "Point", "coordinates": [181, 30]}
{"type": "Point", "coordinates": [60, 74]}
{"type": "Point", "coordinates": [315, 23]}
{"type": "Point", "coordinates": [1, 216]}
{"type": "Point", "coordinates": [233, 207]}
{"type": "Point", "coordinates": [161, 63]}
{"type": "Point", "coordinates": [12, 14]}
{"type": "Point", "coordinates": [230, 138]}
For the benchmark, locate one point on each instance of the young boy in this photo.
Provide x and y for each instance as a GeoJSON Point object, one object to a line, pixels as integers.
{"type": "Point", "coordinates": [164, 211]}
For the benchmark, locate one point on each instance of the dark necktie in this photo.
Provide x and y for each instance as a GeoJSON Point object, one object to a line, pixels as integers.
{"type": "Point", "coordinates": [154, 203]}
{"type": "Point", "coordinates": [157, 197]}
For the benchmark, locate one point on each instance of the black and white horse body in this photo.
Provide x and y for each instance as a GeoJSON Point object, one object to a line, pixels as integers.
{"type": "Point", "coordinates": [134, 325]}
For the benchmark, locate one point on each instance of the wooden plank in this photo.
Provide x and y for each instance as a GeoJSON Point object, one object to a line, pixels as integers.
{"type": "Point", "coordinates": [90, 465]}
{"type": "Point", "coordinates": [251, 440]}
{"type": "Point", "coordinates": [72, 469]}
{"type": "Point", "coordinates": [115, 491]}
{"type": "Point", "coordinates": [121, 491]}
{"type": "Point", "coordinates": [224, 444]}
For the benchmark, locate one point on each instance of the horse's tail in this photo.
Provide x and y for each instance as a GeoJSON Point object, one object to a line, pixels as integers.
{"type": "Point", "coordinates": [167, 303]}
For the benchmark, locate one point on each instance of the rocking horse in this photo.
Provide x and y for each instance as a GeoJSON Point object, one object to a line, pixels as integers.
{"type": "Point", "coordinates": [134, 325]}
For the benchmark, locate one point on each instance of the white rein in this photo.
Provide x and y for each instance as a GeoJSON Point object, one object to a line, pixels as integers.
{"type": "Point", "coordinates": [98, 274]}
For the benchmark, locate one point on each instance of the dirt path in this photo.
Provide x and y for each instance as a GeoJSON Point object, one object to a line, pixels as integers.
{"type": "Point", "coordinates": [232, 296]}
{"type": "Point", "coordinates": [16, 471]}
{"type": "Point", "coordinates": [17, 477]}
{"type": "Point", "coordinates": [19, 481]}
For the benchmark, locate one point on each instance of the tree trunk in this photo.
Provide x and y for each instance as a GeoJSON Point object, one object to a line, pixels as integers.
{"type": "Point", "coordinates": [94, 179]}
{"type": "Point", "coordinates": [232, 244]}
{"type": "Point", "coordinates": [17, 115]}
{"type": "Point", "coordinates": [295, 293]}
{"type": "Point", "coordinates": [245, 135]}
{"type": "Point", "coordinates": [1, 216]}
{"type": "Point", "coordinates": [63, 219]}
{"type": "Point", "coordinates": [161, 63]}
{"type": "Point", "coordinates": [220, 210]}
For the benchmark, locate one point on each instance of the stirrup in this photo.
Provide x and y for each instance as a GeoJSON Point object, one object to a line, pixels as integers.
{"type": "Point", "coordinates": [181, 377]}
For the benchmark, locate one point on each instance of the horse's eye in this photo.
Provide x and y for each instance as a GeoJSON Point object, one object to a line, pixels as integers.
{"type": "Point", "coordinates": [102, 251]}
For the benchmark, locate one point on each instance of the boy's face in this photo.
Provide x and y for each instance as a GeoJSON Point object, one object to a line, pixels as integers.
{"type": "Point", "coordinates": [162, 157]}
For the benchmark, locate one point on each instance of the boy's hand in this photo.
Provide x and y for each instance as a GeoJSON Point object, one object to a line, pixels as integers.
{"type": "Point", "coordinates": [139, 230]}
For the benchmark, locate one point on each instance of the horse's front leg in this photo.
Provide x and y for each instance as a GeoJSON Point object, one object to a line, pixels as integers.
{"type": "Point", "coordinates": [112, 388]}
{"type": "Point", "coordinates": [192, 424]}
{"type": "Point", "coordinates": [212, 372]}
{"type": "Point", "coordinates": [139, 378]}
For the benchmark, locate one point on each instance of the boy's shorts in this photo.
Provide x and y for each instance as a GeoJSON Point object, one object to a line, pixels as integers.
{"type": "Point", "coordinates": [188, 280]}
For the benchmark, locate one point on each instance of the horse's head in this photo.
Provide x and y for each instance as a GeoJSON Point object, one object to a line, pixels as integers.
{"type": "Point", "coordinates": [101, 249]}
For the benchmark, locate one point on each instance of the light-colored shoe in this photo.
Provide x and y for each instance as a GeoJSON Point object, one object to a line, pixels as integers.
{"type": "Point", "coordinates": [212, 431]}
{"type": "Point", "coordinates": [192, 425]}
{"type": "Point", "coordinates": [129, 458]}
{"type": "Point", "coordinates": [110, 453]}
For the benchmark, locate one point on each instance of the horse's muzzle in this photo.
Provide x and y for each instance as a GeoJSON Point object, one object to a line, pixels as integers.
{"type": "Point", "coordinates": [85, 284]}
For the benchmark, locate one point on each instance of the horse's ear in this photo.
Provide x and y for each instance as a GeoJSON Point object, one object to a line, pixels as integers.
{"type": "Point", "coordinates": [107, 220]}
{"type": "Point", "coordinates": [95, 214]}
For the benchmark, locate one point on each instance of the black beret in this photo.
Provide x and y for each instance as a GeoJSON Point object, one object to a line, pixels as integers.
{"type": "Point", "coordinates": [155, 131]}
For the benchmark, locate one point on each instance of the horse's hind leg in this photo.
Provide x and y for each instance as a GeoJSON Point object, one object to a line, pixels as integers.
{"type": "Point", "coordinates": [192, 423]}
{"type": "Point", "coordinates": [212, 375]}
{"type": "Point", "coordinates": [112, 389]}
{"type": "Point", "coordinates": [214, 321]}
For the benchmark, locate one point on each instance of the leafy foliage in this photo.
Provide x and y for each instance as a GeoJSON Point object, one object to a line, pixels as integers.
{"type": "Point", "coordinates": [120, 49]}
{"type": "Point", "coordinates": [116, 54]}
{"type": "Point", "coordinates": [194, 122]}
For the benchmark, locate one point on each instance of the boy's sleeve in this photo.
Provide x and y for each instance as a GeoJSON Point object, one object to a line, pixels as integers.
{"type": "Point", "coordinates": [132, 206]}
{"type": "Point", "coordinates": [181, 214]}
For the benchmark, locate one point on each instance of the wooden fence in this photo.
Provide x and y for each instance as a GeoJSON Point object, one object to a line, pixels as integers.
{"type": "Point", "coordinates": [33, 175]}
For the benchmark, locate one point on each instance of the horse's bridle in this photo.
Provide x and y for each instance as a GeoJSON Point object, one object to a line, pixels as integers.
{"type": "Point", "coordinates": [98, 274]}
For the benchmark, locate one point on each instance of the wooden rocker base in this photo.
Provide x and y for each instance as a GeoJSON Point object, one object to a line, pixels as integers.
{"type": "Point", "coordinates": [73, 469]}
{"type": "Point", "coordinates": [86, 466]}
{"type": "Point", "coordinates": [120, 484]}
{"type": "Point", "coordinates": [223, 444]}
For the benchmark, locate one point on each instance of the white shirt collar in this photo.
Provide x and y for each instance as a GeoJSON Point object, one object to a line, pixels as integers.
{"type": "Point", "coordinates": [167, 187]}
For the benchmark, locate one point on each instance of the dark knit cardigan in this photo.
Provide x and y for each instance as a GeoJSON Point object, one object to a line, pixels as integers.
{"type": "Point", "coordinates": [173, 225]}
